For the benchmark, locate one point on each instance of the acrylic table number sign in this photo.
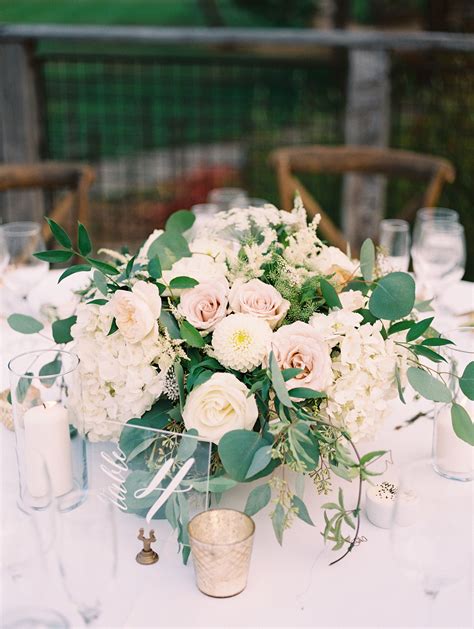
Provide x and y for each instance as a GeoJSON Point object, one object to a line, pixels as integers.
{"type": "Point", "coordinates": [156, 474]}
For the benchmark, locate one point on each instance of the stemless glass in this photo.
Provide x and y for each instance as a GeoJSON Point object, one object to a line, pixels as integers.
{"type": "Point", "coordinates": [47, 412]}
{"type": "Point", "coordinates": [440, 255]}
{"type": "Point", "coordinates": [87, 550]}
{"type": "Point", "coordinates": [23, 271]}
{"type": "Point", "coordinates": [432, 528]}
{"type": "Point", "coordinates": [453, 457]}
{"type": "Point", "coordinates": [394, 242]}
{"type": "Point", "coordinates": [228, 198]}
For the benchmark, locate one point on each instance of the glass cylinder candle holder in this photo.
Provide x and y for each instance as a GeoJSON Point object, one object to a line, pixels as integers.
{"type": "Point", "coordinates": [221, 544]}
{"type": "Point", "coordinates": [452, 457]}
{"type": "Point", "coordinates": [46, 399]}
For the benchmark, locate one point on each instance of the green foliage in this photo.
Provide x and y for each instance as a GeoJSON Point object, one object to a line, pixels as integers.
{"type": "Point", "coordinates": [329, 293]}
{"type": "Point", "coordinates": [23, 386]}
{"type": "Point", "coordinates": [180, 221]}
{"type": "Point", "coordinates": [59, 234]}
{"type": "Point", "coordinates": [419, 328]}
{"type": "Point", "coordinates": [257, 499]}
{"type": "Point", "coordinates": [466, 382]}
{"type": "Point", "coordinates": [24, 324]}
{"type": "Point", "coordinates": [62, 330]}
{"type": "Point", "coordinates": [278, 521]}
{"type": "Point", "coordinates": [301, 510]}
{"type": "Point", "coordinates": [55, 255]}
{"type": "Point", "coordinates": [428, 386]}
{"type": "Point", "coordinates": [84, 243]}
{"type": "Point", "coordinates": [154, 268]}
{"type": "Point", "coordinates": [101, 282]}
{"type": "Point", "coordinates": [76, 268]}
{"type": "Point", "coordinates": [190, 334]}
{"type": "Point", "coordinates": [278, 382]}
{"type": "Point", "coordinates": [393, 297]}
{"type": "Point", "coordinates": [462, 424]}
{"type": "Point", "coordinates": [178, 283]}
{"type": "Point", "coordinates": [367, 260]}
{"type": "Point", "coordinates": [260, 461]}
{"type": "Point", "coordinates": [52, 369]}
{"type": "Point", "coordinates": [237, 449]}
{"type": "Point", "coordinates": [169, 248]}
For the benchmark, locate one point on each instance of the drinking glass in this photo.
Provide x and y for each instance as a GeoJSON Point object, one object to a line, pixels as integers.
{"type": "Point", "coordinates": [429, 215]}
{"type": "Point", "coordinates": [87, 550]}
{"type": "Point", "coordinates": [257, 202]}
{"type": "Point", "coordinates": [395, 243]}
{"type": "Point", "coordinates": [23, 271]}
{"type": "Point", "coordinates": [228, 198]}
{"type": "Point", "coordinates": [453, 457]}
{"type": "Point", "coordinates": [432, 528]}
{"type": "Point", "coordinates": [4, 255]}
{"type": "Point", "coordinates": [204, 213]}
{"type": "Point", "coordinates": [440, 256]}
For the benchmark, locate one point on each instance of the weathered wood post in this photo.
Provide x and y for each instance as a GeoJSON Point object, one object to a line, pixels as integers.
{"type": "Point", "coordinates": [367, 122]}
{"type": "Point", "coordinates": [19, 127]}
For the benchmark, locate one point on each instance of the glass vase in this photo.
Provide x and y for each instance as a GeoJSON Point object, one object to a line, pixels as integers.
{"type": "Point", "coordinates": [47, 413]}
{"type": "Point", "coordinates": [452, 457]}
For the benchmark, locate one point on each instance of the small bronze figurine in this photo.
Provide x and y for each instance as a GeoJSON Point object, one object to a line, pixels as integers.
{"type": "Point", "coordinates": [147, 555]}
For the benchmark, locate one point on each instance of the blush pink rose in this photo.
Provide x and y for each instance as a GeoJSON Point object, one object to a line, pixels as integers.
{"type": "Point", "coordinates": [260, 300]}
{"type": "Point", "coordinates": [300, 346]}
{"type": "Point", "coordinates": [205, 305]}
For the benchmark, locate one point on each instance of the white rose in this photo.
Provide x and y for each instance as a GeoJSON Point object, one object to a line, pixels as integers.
{"type": "Point", "coordinates": [219, 405]}
{"type": "Point", "coordinates": [332, 261]}
{"type": "Point", "coordinates": [200, 267]}
{"type": "Point", "coordinates": [352, 300]}
{"type": "Point", "coordinates": [260, 300]}
{"type": "Point", "coordinates": [136, 312]}
{"type": "Point", "coordinates": [205, 304]}
{"type": "Point", "coordinates": [300, 346]}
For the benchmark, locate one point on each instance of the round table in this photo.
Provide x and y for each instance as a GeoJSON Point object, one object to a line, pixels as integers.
{"type": "Point", "coordinates": [289, 586]}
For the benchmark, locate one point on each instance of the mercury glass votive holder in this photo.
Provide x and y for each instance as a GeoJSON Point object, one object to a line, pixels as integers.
{"type": "Point", "coordinates": [47, 413]}
{"type": "Point", "coordinates": [221, 544]}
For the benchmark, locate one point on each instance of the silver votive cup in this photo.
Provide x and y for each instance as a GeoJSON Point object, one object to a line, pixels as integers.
{"type": "Point", "coordinates": [221, 545]}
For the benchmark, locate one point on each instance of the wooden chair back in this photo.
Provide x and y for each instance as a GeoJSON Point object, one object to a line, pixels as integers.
{"type": "Point", "coordinates": [76, 179]}
{"type": "Point", "coordinates": [436, 171]}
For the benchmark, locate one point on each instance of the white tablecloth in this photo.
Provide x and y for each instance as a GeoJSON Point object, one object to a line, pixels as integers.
{"type": "Point", "coordinates": [292, 586]}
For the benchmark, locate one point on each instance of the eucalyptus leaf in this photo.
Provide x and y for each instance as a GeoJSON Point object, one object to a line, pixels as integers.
{"type": "Point", "coordinates": [154, 268]}
{"type": "Point", "coordinates": [23, 386]}
{"type": "Point", "coordinates": [261, 459]}
{"type": "Point", "coordinates": [24, 324]}
{"type": "Point", "coordinates": [393, 297]}
{"type": "Point", "coordinates": [257, 499]}
{"type": "Point", "coordinates": [187, 447]}
{"type": "Point", "coordinates": [278, 382]}
{"type": "Point", "coordinates": [466, 382]}
{"type": "Point", "coordinates": [302, 511]}
{"type": "Point", "coordinates": [168, 320]}
{"type": "Point", "coordinates": [278, 521]}
{"type": "Point", "coordinates": [399, 384]}
{"type": "Point", "coordinates": [428, 386]}
{"type": "Point", "coordinates": [101, 282]}
{"type": "Point", "coordinates": [61, 330]}
{"type": "Point", "coordinates": [180, 221]}
{"type": "Point", "coordinates": [462, 424]}
{"type": "Point", "coordinates": [290, 372]}
{"type": "Point", "coordinates": [169, 247]}
{"type": "Point", "coordinates": [217, 484]}
{"type": "Point", "coordinates": [141, 447]}
{"type": "Point", "coordinates": [367, 259]}
{"type": "Point", "coordinates": [52, 369]}
{"type": "Point", "coordinates": [306, 393]}
{"type": "Point", "coordinates": [237, 449]}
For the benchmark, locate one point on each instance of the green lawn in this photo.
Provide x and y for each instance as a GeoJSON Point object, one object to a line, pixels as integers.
{"type": "Point", "coordinates": [139, 12]}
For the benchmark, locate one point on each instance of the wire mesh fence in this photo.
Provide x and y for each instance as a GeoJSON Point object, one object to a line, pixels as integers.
{"type": "Point", "coordinates": [163, 129]}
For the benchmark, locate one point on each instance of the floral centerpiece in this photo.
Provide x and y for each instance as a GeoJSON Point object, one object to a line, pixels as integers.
{"type": "Point", "coordinates": [254, 334]}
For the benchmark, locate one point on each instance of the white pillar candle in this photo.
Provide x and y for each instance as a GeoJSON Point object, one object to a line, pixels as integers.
{"type": "Point", "coordinates": [47, 440]}
{"type": "Point", "coordinates": [451, 454]}
{"type": "Point", "coordinates": [380, 502]}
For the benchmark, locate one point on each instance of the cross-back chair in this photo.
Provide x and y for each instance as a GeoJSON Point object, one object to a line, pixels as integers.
{"type": "Point", "coordinates": [76, 179]}
{"type": "Point", "coordinates": [436, 171]}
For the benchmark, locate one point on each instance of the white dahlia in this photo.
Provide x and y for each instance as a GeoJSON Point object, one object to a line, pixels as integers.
{"type": "Point", "coordinates": [241, 341]}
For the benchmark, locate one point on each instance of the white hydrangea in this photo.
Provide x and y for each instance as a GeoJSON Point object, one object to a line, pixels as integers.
{"type": "Point", "coordinates": [364, 381]}
{"type": "Point", "coordinates": [200, 267]}
{"type": "Point", "coordinates": [120, 380]}
{"type": "Point", "coordinates": [241, 341]}
{"type": "Point", "coordinates": [218, 249]}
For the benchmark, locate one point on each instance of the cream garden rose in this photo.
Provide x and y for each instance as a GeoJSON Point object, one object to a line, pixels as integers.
{"type": "Point", "coordinates": [136, 311]}
{"type": "Point", "coordinates": [300, 346]}
{"type": "Point", "coordinates": [260, 300]}
{"type": "Point", "coordinates": [332, 261]}
{"type": "Point", "coordinates": [205, 305]}
{"type": "Point", "coordinates": [219, 405]}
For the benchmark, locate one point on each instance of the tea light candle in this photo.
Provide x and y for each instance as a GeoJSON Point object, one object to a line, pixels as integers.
{"type": "Point", "coordinates": [380, 502]}
{"type": "Point", "coordinates": [47, 440]}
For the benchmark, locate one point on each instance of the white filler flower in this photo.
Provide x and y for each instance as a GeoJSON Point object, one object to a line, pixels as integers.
{"type": "Point", "coordinates": [241, 341]}
{"type": "Point", "coordinates": [219, 405]}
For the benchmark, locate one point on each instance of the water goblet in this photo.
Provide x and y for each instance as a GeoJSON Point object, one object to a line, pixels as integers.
{"type": "Point", "coordinates": [87, 549]}
{"type": "Point", "coordinates": [23, 271]}
{"type": "Point", "coordinates": [394, 242]}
